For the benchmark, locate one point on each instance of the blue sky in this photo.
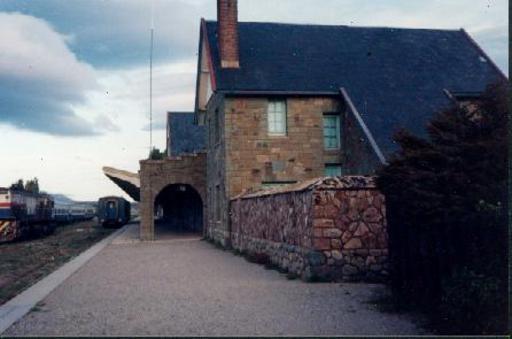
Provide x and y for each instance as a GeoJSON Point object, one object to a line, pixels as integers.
{"type": "Point", "coordinates": [74, 74]}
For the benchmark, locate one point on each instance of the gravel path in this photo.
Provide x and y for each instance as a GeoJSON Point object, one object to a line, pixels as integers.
{"type": "Point", "coordinates": [188, 287]}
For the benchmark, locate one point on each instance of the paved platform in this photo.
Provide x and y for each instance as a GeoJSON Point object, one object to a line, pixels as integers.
{"type": "Point", "coordinates": [20, 305]}
{"type": "Point", "coordinates": [189, 287]}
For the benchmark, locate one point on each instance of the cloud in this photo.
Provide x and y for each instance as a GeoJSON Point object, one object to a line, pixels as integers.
{"type": "Point", "coordinates": [104, 123]}
{"type": "Point", "coordinates": [115, 34]}
{"type": "Point", "coordinates": [494, 41]}
{"type": "Point", "coordinates": [41, 78]}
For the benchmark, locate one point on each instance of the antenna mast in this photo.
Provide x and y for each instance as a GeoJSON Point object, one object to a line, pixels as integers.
{"type": "Point", "coordinates": [151, 81]}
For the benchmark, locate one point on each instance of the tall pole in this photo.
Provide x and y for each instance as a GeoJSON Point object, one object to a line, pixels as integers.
{"type": "Point", "coordinates": [151, 84]}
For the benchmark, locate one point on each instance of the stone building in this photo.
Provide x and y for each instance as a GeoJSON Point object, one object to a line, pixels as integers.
{"type": "Point", "coordinates": [285, 103]}
{"type": "Point", "coordinates": [279, 104]}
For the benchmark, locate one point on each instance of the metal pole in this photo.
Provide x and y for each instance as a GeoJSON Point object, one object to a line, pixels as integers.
{"type": "Point", "coordinates": [151, 95]}
{"type": "Point", "coordinates": [151, 82]}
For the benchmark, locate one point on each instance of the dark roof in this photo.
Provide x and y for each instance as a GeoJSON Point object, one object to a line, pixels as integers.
{"type": "Point", "coordinates": [394, 76]}
{"type": "Point", "coordinates": [186, 136]}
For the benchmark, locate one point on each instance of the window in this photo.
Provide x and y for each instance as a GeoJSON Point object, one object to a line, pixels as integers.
{"type": "Point", "coordinates": [332, 170]}
{"type": "Point", "coordinates": [331, 132]}
{"type": "Point", "coordinates": [276, 117]}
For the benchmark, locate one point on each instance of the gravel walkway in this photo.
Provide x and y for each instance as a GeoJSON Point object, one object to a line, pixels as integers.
{"type": "Point", "coordinates": [188, 287]}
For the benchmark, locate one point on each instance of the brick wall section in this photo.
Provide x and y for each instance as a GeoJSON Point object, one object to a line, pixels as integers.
{"type": "Point", "coordinates": [155, 175]}
{"type": "Point", "coordinates": [227, 18]}
{"type": "Point", "coordinates": [328, 228]}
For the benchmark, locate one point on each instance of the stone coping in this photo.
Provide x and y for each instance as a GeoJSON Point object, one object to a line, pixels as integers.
{"type": "Point", "coordinates": [347, 182]}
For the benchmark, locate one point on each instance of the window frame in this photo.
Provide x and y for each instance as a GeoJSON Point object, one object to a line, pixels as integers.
{"type": "Point", "coordinates": [337, 116]}
{"type": "Point", "coordinates": [285, 118]}
{"type": "Point", "coordinates": [338, 165]}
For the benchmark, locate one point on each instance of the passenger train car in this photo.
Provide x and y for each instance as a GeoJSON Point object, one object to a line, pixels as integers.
{"type": "Point", "coordinates": [64, 214]}
{"type": "Point", "coordinates": [24, 213]}
{"type": "Point", "coordinates": [113, 211]}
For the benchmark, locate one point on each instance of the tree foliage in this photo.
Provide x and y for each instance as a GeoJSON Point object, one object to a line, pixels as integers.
{"type": "Point", "coordinates": [156, 154]}
{"type": "Point", "coordinates": [29, 186]}
{"type": "Point", "coordinates": [32, 186]}
{"type": "Point", "coordinates": [446, 198]}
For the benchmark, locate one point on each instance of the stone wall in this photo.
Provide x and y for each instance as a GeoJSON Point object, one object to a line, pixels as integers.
{"type": "Point", "coordinates": [217, 218]}
{"type": "Point", "coordinates": [253, 156]}
{"type": "Point", "coordinates": [155, 175]}
{"type": "Point", "coordinates": [328, 228]}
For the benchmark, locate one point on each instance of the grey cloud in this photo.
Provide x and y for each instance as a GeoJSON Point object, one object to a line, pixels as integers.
{"type": "Point", "coordinates": [104, 123]}
{"type": "Point", "coordinates": [115, 34]}
{"type": "Point", "coordinates": [41, 79]}
{"type": "Point", "coordinates": [494, 42]}
{"type": "Point", "coordinates": [158, 125]}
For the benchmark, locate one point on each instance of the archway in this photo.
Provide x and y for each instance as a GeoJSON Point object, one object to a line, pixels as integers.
{"type": "Point", "coordinates": [178, 209]}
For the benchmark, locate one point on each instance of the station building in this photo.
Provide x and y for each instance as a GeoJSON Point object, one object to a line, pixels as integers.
{"type": "Point", "coordinates": [278, 104]}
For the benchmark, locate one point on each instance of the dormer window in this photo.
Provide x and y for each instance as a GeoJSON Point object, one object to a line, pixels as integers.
{"type": "Point", "coordinates": [276, 117]}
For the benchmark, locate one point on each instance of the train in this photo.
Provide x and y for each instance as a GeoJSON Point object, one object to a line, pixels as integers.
{"type": "Point", "coordinates": [113, 211]}
{"type": "Point", "coordinates": [65, 214]}
{"type": "Point", "coordinates": [24, 213]}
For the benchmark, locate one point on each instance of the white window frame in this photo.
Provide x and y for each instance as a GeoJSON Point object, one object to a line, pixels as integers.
{"type": "Point", "coordinates": [338, 131]}
{"type": "Point", "coordinates": [277, 117]}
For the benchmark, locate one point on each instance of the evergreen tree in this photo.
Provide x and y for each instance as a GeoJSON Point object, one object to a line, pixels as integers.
{"type": "Point", "coordinates": [446, 198]}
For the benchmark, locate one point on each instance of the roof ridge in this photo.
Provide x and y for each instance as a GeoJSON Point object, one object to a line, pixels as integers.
{"type": "Point", "coordinates": [345, 26]}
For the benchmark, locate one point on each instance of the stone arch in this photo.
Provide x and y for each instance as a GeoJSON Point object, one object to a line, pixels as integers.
{"type": "Point", "coordinates": [156, 175]}
{"type": "Point", "coordinates": [179, 208]}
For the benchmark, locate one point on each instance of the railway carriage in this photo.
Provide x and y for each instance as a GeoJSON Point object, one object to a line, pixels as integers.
{"type": "Point", "coordinates": [113, 211]}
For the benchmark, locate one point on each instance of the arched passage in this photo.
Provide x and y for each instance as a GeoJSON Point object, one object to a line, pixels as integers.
{"type": "Point", "coordinates": [178, 208]}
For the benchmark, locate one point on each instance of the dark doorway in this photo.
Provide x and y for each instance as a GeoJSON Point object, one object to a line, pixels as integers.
{"type": "Point", "coordinates": [178, 209]}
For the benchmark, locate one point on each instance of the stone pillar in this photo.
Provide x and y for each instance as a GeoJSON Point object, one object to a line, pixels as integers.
{"type": "Point", "coordinates": [147, 198]}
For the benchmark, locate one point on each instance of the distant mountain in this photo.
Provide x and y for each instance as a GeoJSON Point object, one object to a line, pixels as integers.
{"type": "Point", "coordinates": [61, 199]}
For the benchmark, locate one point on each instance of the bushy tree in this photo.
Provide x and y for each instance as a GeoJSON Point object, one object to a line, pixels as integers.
{"type": "Point", "coordinates": [156, 154]}
{"type": "Point", "coordinates": [32, 186]}
{"type": "Point", "coordinates": [18, 185]}
{"type": "Point", "coordinates": [447, 198]}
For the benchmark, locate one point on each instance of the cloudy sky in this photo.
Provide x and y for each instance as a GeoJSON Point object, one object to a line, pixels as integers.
{"type": "Point", "coordinates": [74, 74]}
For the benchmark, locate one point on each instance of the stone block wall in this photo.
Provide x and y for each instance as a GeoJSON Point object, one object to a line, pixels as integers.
{"type": "Point", "coordinates": [253, 156]}
{"type": "Point", "coordinates": [327, 228]}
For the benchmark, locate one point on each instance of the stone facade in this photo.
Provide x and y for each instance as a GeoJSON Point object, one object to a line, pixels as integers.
{"type": "Point", "coordinates": [328, 228]}
{"type": "Point", "coordinates": [242, 155]}
{"type": "Point", "coordinates": [155, 175]}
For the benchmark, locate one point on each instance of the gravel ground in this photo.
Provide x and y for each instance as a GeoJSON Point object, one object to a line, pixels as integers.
{"type": "Point", "coordinates": [188, 287]}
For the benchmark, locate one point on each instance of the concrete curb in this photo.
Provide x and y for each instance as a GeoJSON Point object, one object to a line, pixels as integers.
{"type": "Point", "coordinates": [17, 307]}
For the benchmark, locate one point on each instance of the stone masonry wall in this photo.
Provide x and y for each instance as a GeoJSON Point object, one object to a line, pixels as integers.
{"type": "Point", "coordinates": [329, 228]}
{"type": "Point", "coordinates": [253, 156]}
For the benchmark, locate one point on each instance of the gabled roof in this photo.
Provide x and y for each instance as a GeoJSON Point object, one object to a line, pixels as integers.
{"type": "Point", "coordinates": [395, 77]}
{"type": "Point", "coordinates": [185, 136]}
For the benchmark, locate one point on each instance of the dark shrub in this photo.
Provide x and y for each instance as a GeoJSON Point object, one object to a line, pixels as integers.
{"type": "Point", "coordinates": [446, 199]}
